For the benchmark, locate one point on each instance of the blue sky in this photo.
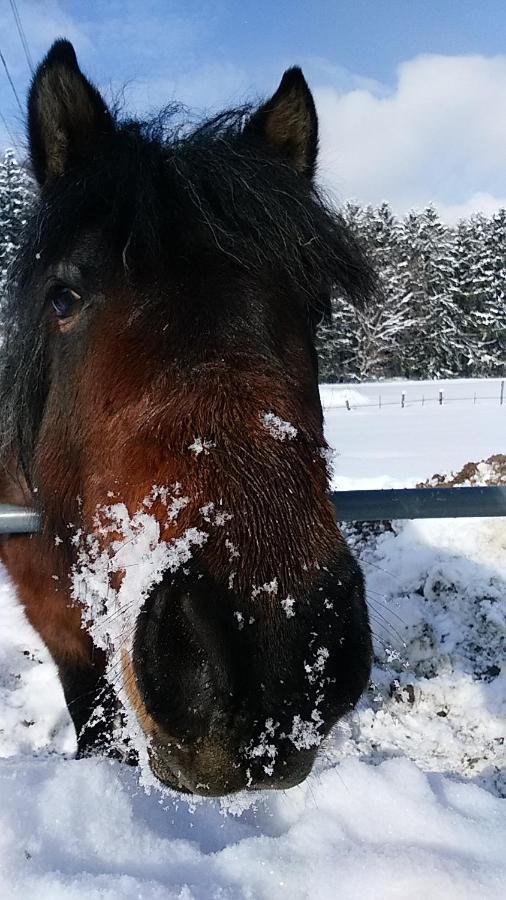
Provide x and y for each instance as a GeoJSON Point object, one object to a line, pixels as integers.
{"type": "Point", "coordinates": [123, 40]}
{"type": "Point", "coordinates": [387, 74]}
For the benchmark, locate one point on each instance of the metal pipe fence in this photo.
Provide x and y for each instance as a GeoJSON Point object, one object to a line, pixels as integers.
{"type": "Point", "coordinates": [353, 506]}
{"type": "Point", "coordinates": [420, 503]}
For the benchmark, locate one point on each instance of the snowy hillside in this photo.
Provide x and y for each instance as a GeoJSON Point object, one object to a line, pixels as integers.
{"type": "Point", "coordinates": [406, 800]}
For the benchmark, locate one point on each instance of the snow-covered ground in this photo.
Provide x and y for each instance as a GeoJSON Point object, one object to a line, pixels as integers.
{"type": "Point", "coordinates": [405, 801]}
{"type": "Point", "coordinates": [390, 446]}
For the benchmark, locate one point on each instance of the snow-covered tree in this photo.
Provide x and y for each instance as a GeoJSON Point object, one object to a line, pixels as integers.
{"type": "Point", "coordinates": [441, 308]}
{"type": "Point", "coordinates": [16, 194]}
{"type": "Point", "coordinates": [435, 342]}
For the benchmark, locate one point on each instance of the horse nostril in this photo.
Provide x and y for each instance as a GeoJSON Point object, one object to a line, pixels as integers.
{"type": "Point", "coordinates": [199, 608]}
{"type": "Point", "coordinates": [183, 658]}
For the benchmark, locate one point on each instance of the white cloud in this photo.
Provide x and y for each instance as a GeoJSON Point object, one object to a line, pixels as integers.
{"type": "Point", "coordinates": [477, 202]}
{"type": "Point", "coordinates": [439, 137]}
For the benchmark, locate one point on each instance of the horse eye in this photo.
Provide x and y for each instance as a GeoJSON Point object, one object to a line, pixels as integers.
{"type": "Point", "coordinates": [65, 302]}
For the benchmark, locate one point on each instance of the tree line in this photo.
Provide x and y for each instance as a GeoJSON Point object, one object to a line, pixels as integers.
{"type": "Point", "coordinates": [439, 310]}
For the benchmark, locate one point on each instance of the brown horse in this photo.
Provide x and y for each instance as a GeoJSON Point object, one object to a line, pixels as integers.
{"type": "Point", "coordinates": [159, 384]}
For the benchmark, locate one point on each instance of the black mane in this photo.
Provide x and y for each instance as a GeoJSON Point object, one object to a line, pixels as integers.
{"type": "Point", "coordinates": [163, 193]}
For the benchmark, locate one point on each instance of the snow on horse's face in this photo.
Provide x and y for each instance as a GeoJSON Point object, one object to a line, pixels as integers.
{"type": "Point", "coordinates": [176, 281]}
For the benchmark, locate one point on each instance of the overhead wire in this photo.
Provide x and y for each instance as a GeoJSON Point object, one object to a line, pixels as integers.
{"type": "Point", "coordinates": [13, 87]}
{"type": "Point", "coordinates": [9, 132]}
{"type": "Point", "coordinates": [22, 35]}
{"type": "Point", "coordinates": [24, 42]}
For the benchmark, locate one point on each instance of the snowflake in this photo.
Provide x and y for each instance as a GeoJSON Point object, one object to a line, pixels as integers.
{"type": "Point", "coordinates": [287, 603]}
{"type": "Point", "coordinates": [270, 587]}
{"type": "Point", "coordinates": [201, 446]}
{"type": "Point", "coordinates": [278, 428]}
{"type": "Point", "coordinates": [306, 734]}
{"type": "Point", "coordinates": [318, 666]}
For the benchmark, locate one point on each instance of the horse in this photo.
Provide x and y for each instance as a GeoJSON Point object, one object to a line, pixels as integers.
{"type": "Point", "coordinates": [159, 367]}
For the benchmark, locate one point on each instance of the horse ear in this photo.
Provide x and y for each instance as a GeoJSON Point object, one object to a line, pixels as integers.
{"type": "Point", "coordinates": [66, 114]}
{"type": "Point", "coordinates": [288, 123]}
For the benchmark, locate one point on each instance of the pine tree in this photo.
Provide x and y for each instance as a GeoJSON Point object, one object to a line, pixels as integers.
{"type": "Point", "coordinates": [382, 325]}
{"type": "Point", "coordinates": [16, 195]}
{"type": "Point", "coordinates": [470, 286]}
{"type": "Point", "coordinates": [492, 315]}
{"type": "Point", "coordinates": [435, 340]}
{"type": "Point", "coordinates": [362, 342]}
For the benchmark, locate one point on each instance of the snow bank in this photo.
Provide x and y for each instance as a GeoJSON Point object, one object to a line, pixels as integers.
{"type": "Point", "coordinates": [336, 397]}
{"type": "Point", "coordinates": [436, 592]}
{"type": "Point", "coordinates": [82, 830]}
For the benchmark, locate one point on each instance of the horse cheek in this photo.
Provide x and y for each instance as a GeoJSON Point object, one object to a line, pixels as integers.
{"type": "Point", "coordinates": [46, 600]}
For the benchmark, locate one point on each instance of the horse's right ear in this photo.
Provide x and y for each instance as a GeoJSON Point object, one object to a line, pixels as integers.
{"type": "Point", "coordinates": [66, 115]}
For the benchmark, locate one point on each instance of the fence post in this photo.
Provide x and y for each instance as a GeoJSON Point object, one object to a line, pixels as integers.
{"type": "Point", "coordinates": [403, 399]}
{"type": "Point", "coordinates": [440, 397]}
{"type": "Point", "coordinates": [380, 401]}
{"type": "Point", "coordinates": [502, 392]}
{"type": "Point", "coordinates": [348, 404]}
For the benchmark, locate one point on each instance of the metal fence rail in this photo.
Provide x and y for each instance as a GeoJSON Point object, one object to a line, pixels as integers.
{"type": "Point", "coordinates": [17, 519]}
{"type": "Point", "coordinates": [419, 503]}
{"type": "Point", "coordinates": [354, 506]}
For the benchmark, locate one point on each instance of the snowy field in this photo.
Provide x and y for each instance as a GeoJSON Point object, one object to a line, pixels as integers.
{"type": "Point", "coordinates": [407, 798]}
{"type": "Point", "coordinates": [387, 446]}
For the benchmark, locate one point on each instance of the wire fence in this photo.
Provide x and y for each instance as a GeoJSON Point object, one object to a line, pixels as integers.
{"type": "Point", "coordinates": [403, 401]}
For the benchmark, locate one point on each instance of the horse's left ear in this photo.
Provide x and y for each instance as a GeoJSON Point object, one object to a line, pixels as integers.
{"type": "Point", "coordinates": [289, 124]}
{"type": "Point", "coordinates": [66, 115]}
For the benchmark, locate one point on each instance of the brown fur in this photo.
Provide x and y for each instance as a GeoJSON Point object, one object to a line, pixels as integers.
{"type": "Point", "coordinates": [33, 567]}
{"type": "Point", "coordinates": [38, 572]}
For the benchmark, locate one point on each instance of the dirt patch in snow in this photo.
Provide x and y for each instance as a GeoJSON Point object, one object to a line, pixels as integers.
{"type": "Point", "coordinates": [486, 472]}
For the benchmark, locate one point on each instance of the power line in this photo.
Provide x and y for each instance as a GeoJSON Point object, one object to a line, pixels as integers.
{"type": "Point", "coordinates": [22, 35]}
{"type": "Point", "coordinates": [14, 91]}
{"type": "Point", "coordinates": [9, 132]}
